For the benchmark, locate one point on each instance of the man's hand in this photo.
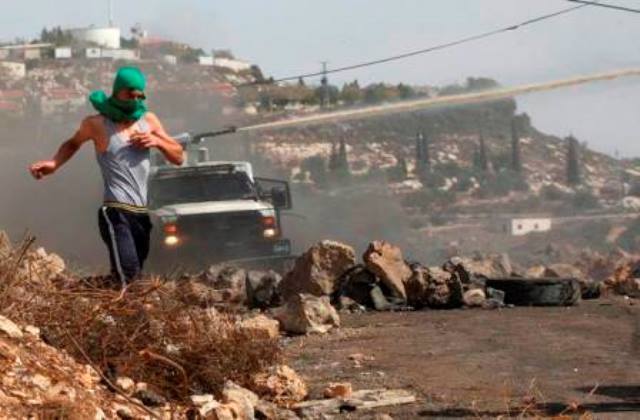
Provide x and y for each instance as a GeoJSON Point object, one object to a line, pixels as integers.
{"type": "Point", "coordinates": [43, 168]}
{"type": "Point", "coordinates": [144, 140]}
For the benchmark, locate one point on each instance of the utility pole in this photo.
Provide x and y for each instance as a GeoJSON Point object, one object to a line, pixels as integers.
{"type": "Point", "coordinates": [325, 86]}
{"type": "Point", "coordinates": [110, 13]}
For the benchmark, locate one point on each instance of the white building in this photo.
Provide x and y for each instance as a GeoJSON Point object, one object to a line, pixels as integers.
{"type": "Point", "coordinates": [170, 59]}
{"type": "Point", "coordinates": [25, 51]}
{"type": "Point", "coordinates": [93, 52]}
{"type": "Point", "coordinates": [121, 54]}
{"type": "Point", "coordinates": [62, 53]}
{"type": "Point", "coordinates": [232, 64]}
{"type": "Point", "coordinates": [524, 226]}
{"type": "Point", "coordinates": [205, 60]}
{"type": "Point", "coordinates": [104, 37]}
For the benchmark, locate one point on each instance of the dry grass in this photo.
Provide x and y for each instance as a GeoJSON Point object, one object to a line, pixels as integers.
{"type": "Point", "coordinates": [145, 332]}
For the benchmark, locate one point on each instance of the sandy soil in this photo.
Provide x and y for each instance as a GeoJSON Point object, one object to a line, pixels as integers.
{"type": "Point", "coordinates": [485, 364]}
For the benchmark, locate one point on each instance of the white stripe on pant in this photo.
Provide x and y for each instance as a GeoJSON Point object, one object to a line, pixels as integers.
{"type": "Point", "coordinates": [114, 246]}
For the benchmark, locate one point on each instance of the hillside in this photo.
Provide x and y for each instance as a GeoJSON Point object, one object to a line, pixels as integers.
{"type": "Point", "coordinates": [385, 143]}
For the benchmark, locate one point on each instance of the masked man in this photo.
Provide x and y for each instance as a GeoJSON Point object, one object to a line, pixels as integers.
{"type": "Point", "coordinates": [123, 132]}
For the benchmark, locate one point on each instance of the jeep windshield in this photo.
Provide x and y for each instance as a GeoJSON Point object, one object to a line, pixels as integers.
{"type": "Point", "coordinates": [195, 187]}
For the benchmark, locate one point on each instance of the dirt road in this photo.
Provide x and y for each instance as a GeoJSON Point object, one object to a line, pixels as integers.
{"type": "Point", "coordinates": [485, 364]}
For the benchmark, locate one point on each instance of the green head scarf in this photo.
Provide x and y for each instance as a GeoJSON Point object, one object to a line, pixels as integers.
{"type": "Point", "coordinates": [115, 109]}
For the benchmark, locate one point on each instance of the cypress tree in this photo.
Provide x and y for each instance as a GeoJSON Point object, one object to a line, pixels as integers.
{"type": "Point", "coordinates": [419, 152]}
{"type": "Point", "coordinates": [342, 163]}
{"type": "Point", "coordinates": [426, 155]}
{"type": "Point", "coordinates": [333, 158]}
{"type": "Point", "coordinates": [483, 161]}
{"type": "Point", "coordinates": [403, 172]}
{"type": "Point", "coordinates": [573, 162]}
{"type": "Point", "coordinates": [516, 161]}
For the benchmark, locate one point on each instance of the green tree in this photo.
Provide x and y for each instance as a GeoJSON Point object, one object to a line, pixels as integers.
{"type": "Point", "coordinates": [56, 36]}
{"type": "Point", "coordinates": [423, 156]}
{"type": "Point", "coordinates": [573, 162]}
{"type": "Point", "coordinates": [481, 161]}
{"type": "Point", "coordinates": [317, 169]}
{"type": "Point", "coordinates": [399, 172]}
{"type": "Point", "coordinates": [405, 91]}
{"type": "Point", "coordinates": [351, 93]}
{"type": "Point", "coordinates": [516, 154]}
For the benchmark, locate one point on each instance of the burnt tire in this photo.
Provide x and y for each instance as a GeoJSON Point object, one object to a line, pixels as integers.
{"type": "Point", "coordinates": [538, 292]}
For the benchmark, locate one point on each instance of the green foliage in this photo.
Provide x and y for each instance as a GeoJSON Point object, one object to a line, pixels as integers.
{"type": "Point", "coordinates": [552, 193]}
{"type": "Point", "coordinates": [480, 158]}
{"type": "Point", "coordinates": [191, 55]}
{"type": "Point", "coordinates": [501, 184]}
{"type": "Point", "coordinates": [351, 93]}
{"type": "Point", "coordinates": [472, 84]}
{"type": "Point", "coordinates": [317, 169]}
{"type": "Point", "coordinates": [630, 239]}
{"type": "Point", "coordinates": [585, 200]}
{"type": "Point", "coordinates": [399, 172]}
{"type": "Point", "coordinates": [516, 154]}
{"type": "Point", "coordinates": [573, 163]}
{"type": "Point", "coordinates": [431, 179]}
{"type": "Point", "coordinates": [428, 200]}
{"type": "Point", "coordinates": [130, 43]}
{"type": "Point", "coordinates": [332, 91]}
{"type": "Point", "coordinates": [56, 36]}
{"type": "Point", "coordinates": [405, 91]}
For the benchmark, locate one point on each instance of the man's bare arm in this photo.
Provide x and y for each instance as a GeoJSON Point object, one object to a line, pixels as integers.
{"type": "Point", "coordinates": [65, 152]}
{"type": "Point", "coordinates": [158, 137]}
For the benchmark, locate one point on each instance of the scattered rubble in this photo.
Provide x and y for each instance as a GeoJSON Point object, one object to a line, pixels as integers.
{"type": "Point", "coordinates": [338, 390]}
{"type": "Point", "coordinates": [280, 384]}
{"type": "Point", "coordinates": [39, 381]}
{"type": "Point", "coordinates": [305, 314]}
{"type": "Point", "coordinates": [625, 280]}
{"type": "Point", "coordinates": [359, 401]}
{"type": "Point", "coordinates": [162, 346]}
{"type": "Point", "coordinates": [261, 327]}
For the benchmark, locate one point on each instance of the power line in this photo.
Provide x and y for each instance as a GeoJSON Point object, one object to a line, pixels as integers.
{"type": "Point", "coordinates": [427, 50]}
{"type": "Point", "coordinates": [609, 6]}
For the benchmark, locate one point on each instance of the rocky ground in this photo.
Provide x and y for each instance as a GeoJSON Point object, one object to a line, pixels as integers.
{"type": "Point", "coordinates": [337, 336]}
{"type": "Point", "coordinates": [487, 364]}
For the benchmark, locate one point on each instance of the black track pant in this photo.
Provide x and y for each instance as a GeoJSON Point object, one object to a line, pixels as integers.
{"type": "Point", "coordinates": [126, 235]}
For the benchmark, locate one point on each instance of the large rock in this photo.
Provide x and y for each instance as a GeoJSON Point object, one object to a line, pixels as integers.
{"type": "Point", "coordinates": [387, 263]}
{"type": "Point", "coordinates": [474, 298]}
{"type": "Point", "coordinates": [444, 289]}
{"type": "Point", "coordinates": [319, 270]}
{"type": "Point", "coordinates": [241, 397]}
{"type": "Point", "coordinates": [563, 271]}
{"type": "Point", "coordinates": [269, 411]}
{"type": "Point", "coordinates": [9, 328]}
{"type": "Point", "coordinates": [625, 280]}
{"type": "Point", "coordinates": [42, 265]}
{"type": "Point", "coordinates": [484, 266]}
{"type": "Point", "coordinates": [196, 293]}
{"type": "Point", "coordinates": [280, 384]}
{"type": "Point", "coordinates": [262, 289]}
{"type": "Point", "coordinates": [417, 286]}
{"type": "Point", "coordinates": [305, 314]}
{"type": "Point", "coordinates": [261, 327]}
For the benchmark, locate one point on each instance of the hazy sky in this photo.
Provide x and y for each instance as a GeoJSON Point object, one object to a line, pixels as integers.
{"type": "Point", "coordinates": [290, 36]}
